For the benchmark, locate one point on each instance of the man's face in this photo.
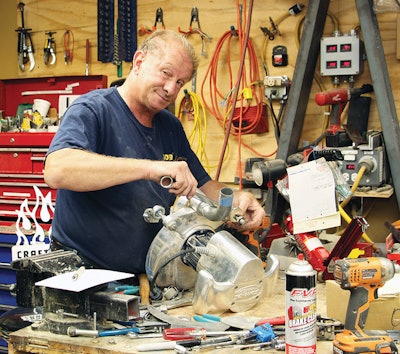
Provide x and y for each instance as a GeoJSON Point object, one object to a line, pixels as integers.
{"type": "Point", "coordinates": [162, 75]}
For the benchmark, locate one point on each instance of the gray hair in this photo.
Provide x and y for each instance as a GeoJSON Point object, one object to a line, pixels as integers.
{"type": "Point", "coordinates": [158, 39]}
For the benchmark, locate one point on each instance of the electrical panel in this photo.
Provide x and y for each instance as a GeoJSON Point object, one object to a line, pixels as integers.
{"type": "Point", "coordinates": [373, 154]}
{"type": "Point", "coordinates": [341, 55]}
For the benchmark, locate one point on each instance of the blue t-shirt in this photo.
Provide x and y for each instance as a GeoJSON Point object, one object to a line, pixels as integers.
{"type": "Point", "coordinates": [107, 226]}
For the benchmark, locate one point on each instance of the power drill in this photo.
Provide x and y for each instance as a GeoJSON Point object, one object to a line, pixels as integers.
{"type": "Point", "coordinates": [335, 135]}
{"type": "Point", "coordinates": [363, 277]}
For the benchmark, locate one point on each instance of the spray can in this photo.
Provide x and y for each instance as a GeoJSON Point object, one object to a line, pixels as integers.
{"type": "Point", "coordinates": [301, 308]}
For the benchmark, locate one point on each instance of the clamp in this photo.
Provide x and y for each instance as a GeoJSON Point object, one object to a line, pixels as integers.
{"type": "Point", "coordinates": [159, 19]}
{"type": "Point", "coordinates": [49, 49]}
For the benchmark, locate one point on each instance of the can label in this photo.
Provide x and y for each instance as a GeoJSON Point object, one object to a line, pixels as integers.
{"type": "Point", "coordinates": [301, 315]}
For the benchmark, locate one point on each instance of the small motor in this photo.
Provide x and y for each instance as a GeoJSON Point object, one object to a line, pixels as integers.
{"type": "Point", "coordinates": [188, 253]}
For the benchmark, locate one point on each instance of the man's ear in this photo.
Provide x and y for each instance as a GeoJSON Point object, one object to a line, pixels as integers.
{"type": "Point", "coordinates": [137, 61]}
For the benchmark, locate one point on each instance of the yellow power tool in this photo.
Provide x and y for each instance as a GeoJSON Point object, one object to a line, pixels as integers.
{"type": "Point", "coordinates": [363, 277]}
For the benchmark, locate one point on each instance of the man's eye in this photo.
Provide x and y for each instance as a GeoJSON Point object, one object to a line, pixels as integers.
{"type": "Point", "coordinates": [180, 84]}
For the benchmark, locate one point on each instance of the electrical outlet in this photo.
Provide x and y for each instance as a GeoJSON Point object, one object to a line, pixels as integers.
{"type": "Point", "coordinates": [276, 87]}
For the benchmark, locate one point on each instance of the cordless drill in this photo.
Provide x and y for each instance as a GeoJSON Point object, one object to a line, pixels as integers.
{"type": "Point", "coordinates": [335, 135]}
{"type": "Point", "coordinates": [363, 277]}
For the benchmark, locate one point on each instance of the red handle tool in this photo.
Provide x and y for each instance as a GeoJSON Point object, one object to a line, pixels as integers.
{"type": "Point", "coordinates": [274, 321]}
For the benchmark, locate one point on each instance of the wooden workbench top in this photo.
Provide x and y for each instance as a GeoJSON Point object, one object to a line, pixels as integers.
{"type": "Point", "coordinates": [28, 340]}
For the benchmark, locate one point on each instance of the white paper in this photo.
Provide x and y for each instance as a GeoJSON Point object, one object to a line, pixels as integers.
{"type": "Point", "coordinates": [312, 196]}
{"type": "Point", "coordinates": [82, 279]}
{"type": "Point", "coordinates": [391, 287]}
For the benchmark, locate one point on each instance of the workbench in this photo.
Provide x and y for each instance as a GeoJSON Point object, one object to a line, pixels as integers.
{"type": "Point", "coordinates": [28, 340]}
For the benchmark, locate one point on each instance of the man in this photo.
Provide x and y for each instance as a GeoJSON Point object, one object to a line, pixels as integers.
{"type": "Point", "coordinates": [110, 152]}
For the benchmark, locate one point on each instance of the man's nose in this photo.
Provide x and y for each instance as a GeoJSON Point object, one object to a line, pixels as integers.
{"type": "Point", "coordinates": [171, 87]}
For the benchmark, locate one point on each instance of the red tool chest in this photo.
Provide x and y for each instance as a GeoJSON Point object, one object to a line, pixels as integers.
{"type": "Point", "coordinates": [21, 167]}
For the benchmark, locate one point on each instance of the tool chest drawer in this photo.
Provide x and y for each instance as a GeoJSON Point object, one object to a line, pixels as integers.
{"type": "Point", "coordinates": [25, 139]}
{"type": "Point", "coordinates": [22, 160]}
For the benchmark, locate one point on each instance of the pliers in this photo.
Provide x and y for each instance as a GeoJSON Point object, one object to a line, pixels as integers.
{"type": "Point", "coordinates": [128, 289]}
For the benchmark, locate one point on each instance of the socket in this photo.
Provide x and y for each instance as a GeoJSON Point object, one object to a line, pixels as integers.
{"type": "Point", "coordinates": [276, 87]}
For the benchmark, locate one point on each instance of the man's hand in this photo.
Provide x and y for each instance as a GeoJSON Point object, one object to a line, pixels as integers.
{"type": "Point", "coordinates": [244, 203]}
{"type": "Point", "coordinates": [252, 211]}
{"type": "Point", "coordinates": [181, 180]}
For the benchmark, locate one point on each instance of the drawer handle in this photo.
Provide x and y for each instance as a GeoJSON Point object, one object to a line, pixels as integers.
{"type": "Point", "coordinates": [15, 155]}
{"type": "Point", "coordinates": [12, 140]}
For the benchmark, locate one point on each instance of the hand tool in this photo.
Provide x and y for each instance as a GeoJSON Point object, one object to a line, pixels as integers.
{"type": "Point", "coordinates": [207, 318]}
{"type": "Point", "coordinates": [185, 333]}
{"type": "Point", "coordinates": [196, 29]}
{"type": "Point", "coordinates": [144, 291]}
{"type": "Point", "coordinates": [128, 289]}
{"type": "Point", "coordinates": [75, 332]}
{"type": "Point", "coordinates": [177, 322]}
{"type": "Point", "coordinates": [87, 57]}
{"type": "Point", "coordinates": [159, 20]}
{"type": "Point", "coordinates": [68, 39]}
{"type": "Point", "coordinates": [25, 46]}
{"type": "Point", "coordinates": [191, 343]}
{"type": "Point", "coordinates": [363, 277]}
{"type": "Point", "coordinates": [49, 49]}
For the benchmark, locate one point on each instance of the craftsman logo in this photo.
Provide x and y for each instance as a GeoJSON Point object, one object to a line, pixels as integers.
{"type": "Point", "coordinates": [24, 251]}
{"type": "Point", "coordinates": [28, 225]}
{"type": "Point", "coordinates": [296, 292]}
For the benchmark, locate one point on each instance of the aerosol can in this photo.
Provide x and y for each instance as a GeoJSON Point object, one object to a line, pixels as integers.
{"type": "Point", "coordinates": [301, 308]}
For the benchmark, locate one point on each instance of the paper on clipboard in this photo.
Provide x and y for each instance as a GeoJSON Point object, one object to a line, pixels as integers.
{"type": "Point", "coordinates": [81, 280]}
{"type": "Point", "coordinates": [312, 196]}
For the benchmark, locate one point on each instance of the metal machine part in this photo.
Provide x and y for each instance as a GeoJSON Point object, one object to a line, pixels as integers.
{"type": "Point", "coordinates": [189, 253]}
{"type": "Point", "coordinates": [266, 171]}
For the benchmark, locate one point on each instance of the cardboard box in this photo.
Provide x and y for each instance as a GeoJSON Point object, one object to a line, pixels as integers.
{"type": "Point", "coordinates": [384, 312]}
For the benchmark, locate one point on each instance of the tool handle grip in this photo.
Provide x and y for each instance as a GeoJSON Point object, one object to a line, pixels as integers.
{"type": "Point", "coordinates": [87, 51]}
{"type": "Point", "coordinates": [357, 310]}
{"type": "Point", "coordinates": [148, 347]}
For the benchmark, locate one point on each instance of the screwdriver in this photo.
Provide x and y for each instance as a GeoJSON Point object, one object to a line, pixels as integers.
{"type": "Point", "coordinates": [185, 333]}
{"type": "Point", "coordinates": [169, 345]}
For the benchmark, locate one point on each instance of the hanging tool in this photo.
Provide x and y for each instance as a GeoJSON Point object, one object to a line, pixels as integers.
{"type": "Point", "coordinates": [105, 30]}
{"type": "Point", "coordinates": [127, 29]}
{"type": "Point", "coordinates": [87, 57]}
{"type": "Point", "coordinates": [25, 46]}
{"type": "Point", "coordinates": [49, 49]}
{"type": "Point", "coordinates": [159, 20]}
{"type": "Point", "coordinates": [116, 59]}
{"type": "Point", "coordinates": [192, 30]}
{"type": "Point", "coordinates": [68, 39]}
{"type": "Point", "coordinates": [335, 135]}
{"type": "Point", "coordinates": [363, 277]}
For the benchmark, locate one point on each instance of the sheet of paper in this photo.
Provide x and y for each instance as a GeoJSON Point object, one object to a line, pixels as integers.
{"type": "Point", "coordinates": [391, 287]}
{"type": "Point", "coordinates": [82, 279]}
{"type": "Point", "coordinates": [312, 196]}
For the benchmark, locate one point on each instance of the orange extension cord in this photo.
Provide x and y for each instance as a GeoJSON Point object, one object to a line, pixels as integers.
{"type": "Point", "coordinates": [247, 101]}
{"type": "Point", "coordinates": [220, 103]}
